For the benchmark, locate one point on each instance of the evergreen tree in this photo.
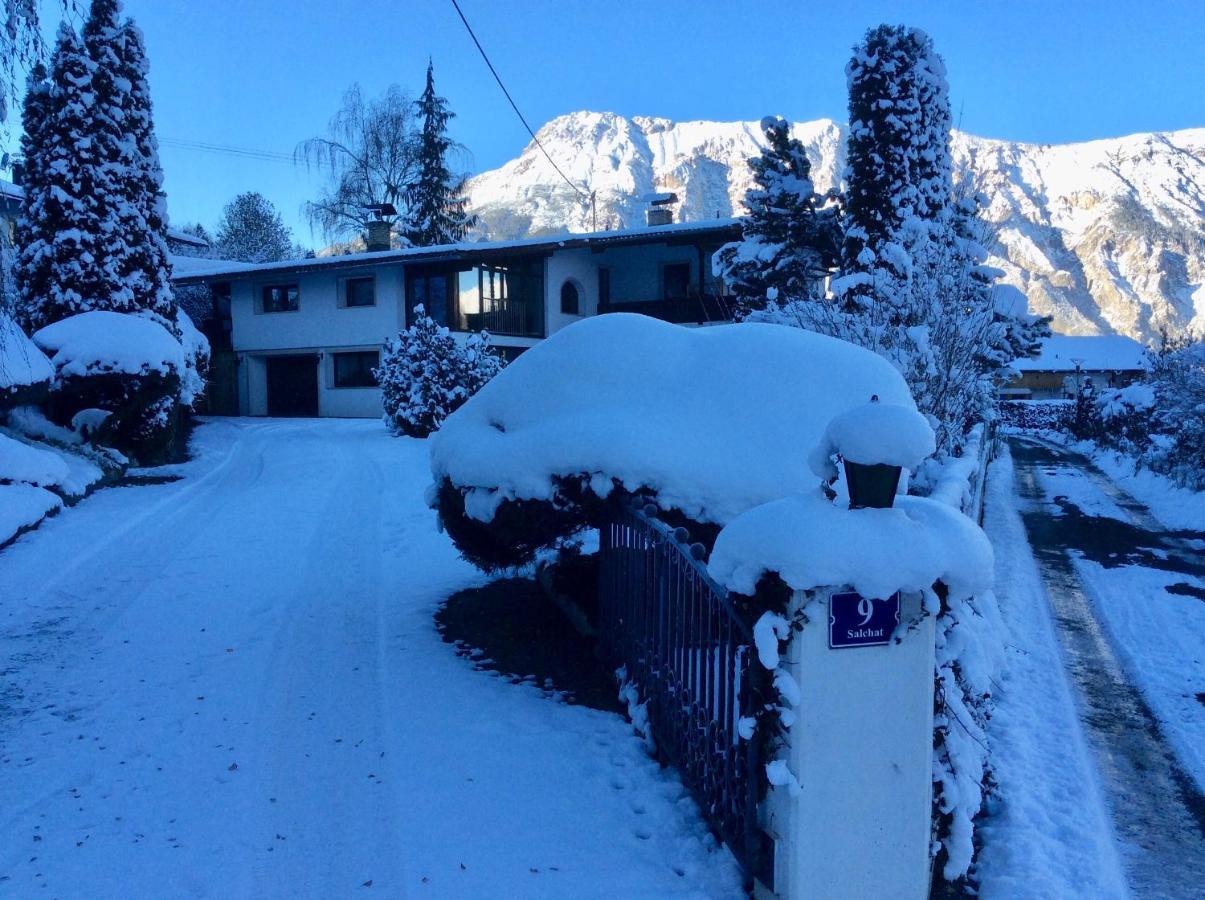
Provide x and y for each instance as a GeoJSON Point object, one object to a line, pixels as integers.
{"type": "Point", "coordinates": [251, 230]}
{"type": "Point", "coordinates": [148, 268]}
{"type": "Point", "coordinates": [426, 375]}
{"type": "Point", "coordinates": [788, 240]}
{"type": "Point", "coordinates": [33, 258]}
{"type": "Point", "coordinates": [897, 171]}
{"type": "Point", "coordinates": [437, 200]}
{"type": "Point", "coordinates": [64, 268]}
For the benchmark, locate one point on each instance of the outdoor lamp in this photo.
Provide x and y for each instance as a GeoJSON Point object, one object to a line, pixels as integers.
{"type": "Point", "coordinates": [875, 442]}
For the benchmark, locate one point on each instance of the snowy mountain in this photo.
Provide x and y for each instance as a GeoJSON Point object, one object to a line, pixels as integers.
{"type": "Point", "coordinates": [1106, 236]}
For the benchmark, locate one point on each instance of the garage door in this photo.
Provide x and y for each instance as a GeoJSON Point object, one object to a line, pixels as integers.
{"type": "Point", "coordinates": [293, 385]}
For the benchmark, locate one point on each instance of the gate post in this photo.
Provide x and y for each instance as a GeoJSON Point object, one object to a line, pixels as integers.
{"type": "Point", "coordinates": [862, 750]}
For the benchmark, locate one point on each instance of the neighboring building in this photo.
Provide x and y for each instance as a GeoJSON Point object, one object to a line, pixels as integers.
{"type": "Point", "coordinates": [1066, 361]}
{"type": "Point", "coordinates": [304, 335]}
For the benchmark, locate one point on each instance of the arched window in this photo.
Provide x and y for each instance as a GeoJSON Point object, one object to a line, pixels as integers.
{"type": "Point", "coordinates": [570, 298]}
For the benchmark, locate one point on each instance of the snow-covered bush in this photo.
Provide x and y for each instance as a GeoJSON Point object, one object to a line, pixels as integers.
{"type": "Point", "coordinates": [25, 372]}
{"type": "Point", "coordinates": [196, 360]}
{"type": "Point", "coordinates": [1159, 421]}
{"type": "Point", "coordinates": [705, 423]}
{"type": "Point", "coordinates": [129, 365]}
{"type": "Point", "coordinates": [1037, 415]}
{"type": "Point", "coordinates": [426, 375]}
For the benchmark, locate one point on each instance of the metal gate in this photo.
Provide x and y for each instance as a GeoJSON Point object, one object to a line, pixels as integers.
{"type": "Point", "coordinates": [692, 660]}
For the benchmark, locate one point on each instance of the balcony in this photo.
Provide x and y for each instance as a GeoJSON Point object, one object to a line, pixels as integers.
{"type": "Point", "coordinates": [694, 309]}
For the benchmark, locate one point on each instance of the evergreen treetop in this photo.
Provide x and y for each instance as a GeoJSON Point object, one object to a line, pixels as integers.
{"type": "Point", "coordinates": [437, 201]}
{"type": "Point", "coordinates": [788, 241]}
{"type": "Point", "coordinates": [251, 230]}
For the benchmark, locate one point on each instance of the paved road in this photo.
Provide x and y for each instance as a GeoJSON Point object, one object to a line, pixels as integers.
{"type": "Point", "coordinates": [231, 686]}
{"type": "Point", "coordinates": [1158, 809]}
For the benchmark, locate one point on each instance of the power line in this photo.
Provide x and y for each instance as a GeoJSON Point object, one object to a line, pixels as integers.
{"type": "Point", "coordinates": [513, 106]}
{"type": "Point", "coordinates": [243, 152]}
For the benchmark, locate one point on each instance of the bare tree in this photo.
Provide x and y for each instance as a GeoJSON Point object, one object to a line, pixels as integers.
{"type": "Point", "coordinates": [370, 153]}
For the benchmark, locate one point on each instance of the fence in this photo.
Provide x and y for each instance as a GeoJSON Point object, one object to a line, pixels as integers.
{"type": "Point", "coordinates": [692, 660]}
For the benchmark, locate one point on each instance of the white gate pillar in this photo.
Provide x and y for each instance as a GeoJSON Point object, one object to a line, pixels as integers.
{"type": "Point", "coordinates": [861, 748]}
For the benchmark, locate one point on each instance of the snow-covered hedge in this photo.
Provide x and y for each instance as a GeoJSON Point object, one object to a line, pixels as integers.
{"type": "Point", "coordinates": [709, 422]}
{"type": "Point", "coordinates": [1037, 415]}
{"type": "Point", "coordinates": [127, 364]}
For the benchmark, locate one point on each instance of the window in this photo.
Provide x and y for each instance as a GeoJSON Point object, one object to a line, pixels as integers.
{"type": "Point", "coordinates": [280, 298]}
{"type": "Point", "coordinates": [604, 289]}
{"type": "Point", "coordinates": [360, 291]}
{"type": "Point", "coordinates": [570, 299]}
{"type": "Point", "coordinates": [428, 289]}
{"type": "Point", "coordinates": [354, 370]}
{"type": "Point", "coordinates": [675, 279]}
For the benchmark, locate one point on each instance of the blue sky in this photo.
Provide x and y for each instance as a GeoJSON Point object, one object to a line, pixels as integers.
{"type": "Point", "coordinates": [265, 74]}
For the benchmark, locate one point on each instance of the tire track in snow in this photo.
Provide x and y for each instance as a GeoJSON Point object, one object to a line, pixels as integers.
{"type": "Point", "coordinates": [1159, 815]}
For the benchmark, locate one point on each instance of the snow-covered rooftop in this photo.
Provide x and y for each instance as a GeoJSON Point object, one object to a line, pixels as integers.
{"type": "Point", "coordinates": [714, 421]}
{"type": "Point", "coordinates": [1095, 353]}
{"type": "Point", "coordinates": [648, 234]}
{"type": "Point", "coordinates": [184, 266]}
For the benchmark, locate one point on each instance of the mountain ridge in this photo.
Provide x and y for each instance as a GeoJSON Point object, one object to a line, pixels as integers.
{"type": "Point", "coordinates": [1107, 236]}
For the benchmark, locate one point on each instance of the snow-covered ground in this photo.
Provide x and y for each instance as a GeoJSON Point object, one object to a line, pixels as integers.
{"type": "Point", "coordinates": [231, 685]}
{"type": "Point", "coordinates": [1048, 832]}
{"type": "Point", "coordinates": [1097, 731]}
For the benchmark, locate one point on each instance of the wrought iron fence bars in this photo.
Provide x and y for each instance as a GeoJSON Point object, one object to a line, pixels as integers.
{"type": "Point", "coordinates": [689, 655]}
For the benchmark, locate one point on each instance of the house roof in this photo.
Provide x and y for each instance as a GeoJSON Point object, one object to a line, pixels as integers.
{"type": "Point", "coordinates": [1095, 353]}
{"type": "Point", "coordinates": [683, 232]}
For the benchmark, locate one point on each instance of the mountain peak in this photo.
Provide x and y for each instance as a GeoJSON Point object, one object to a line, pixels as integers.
{"type": "Point", "coordinates": [1106, 236]}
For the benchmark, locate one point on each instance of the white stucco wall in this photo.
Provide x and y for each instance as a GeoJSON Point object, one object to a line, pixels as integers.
{"type": "Point", "coordinates": [862, 749]}
{"type": "Point", "coordinates": [582, 267]}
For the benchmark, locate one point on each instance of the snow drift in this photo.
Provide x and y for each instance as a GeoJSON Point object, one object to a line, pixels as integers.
{"type": "Point", "coordinates": [713, 421]}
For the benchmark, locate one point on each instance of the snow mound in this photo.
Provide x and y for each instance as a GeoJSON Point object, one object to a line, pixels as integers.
{"type": "Point", "coordinates": [22, 463]}
{"type": "Point", "coordinates": [23, 505]}
{"type": "Point", "coordinates": [875, 434]}
{"type": "Point", "coordinates": [810, 542]}
{"type": "Point", "coordinates": [21, 362]}
{"type": "Point", "coordinates": [101, 342]}
{"type": "Point", "coordinates": [715, 420]}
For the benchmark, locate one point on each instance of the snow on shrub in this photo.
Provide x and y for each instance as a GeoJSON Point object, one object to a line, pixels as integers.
{"type": "Point", "coordinates": [102, 342]}
{"type": "Point", "coordinates": [127, 364]}
{"type": "Point", "coordinates": [20, 462]}
{"type": "Point", "coordinates": [709, 422]}
{"type": "Point", "coordinates": [196, 360]}
{"type": "Point", "coordinates": [24, 369]}
{"type": "Point", "coordinates": [1037, 415]}
{"type": "Point", "coordinates": [426, 375]}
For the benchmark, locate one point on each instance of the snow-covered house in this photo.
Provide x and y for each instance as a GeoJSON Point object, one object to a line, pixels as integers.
{"type": "Point", "coordinates": [1067, 361]}
{"type": "Point", "coordinates": [306, 333]}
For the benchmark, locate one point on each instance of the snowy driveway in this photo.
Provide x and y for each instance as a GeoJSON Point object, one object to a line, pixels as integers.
{"type": "Point", "coordinates": [231, 685]}
{"type": "Point", "coordinates": [1123, 596]}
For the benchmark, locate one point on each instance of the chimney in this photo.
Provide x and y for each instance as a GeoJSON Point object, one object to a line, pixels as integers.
{"type": "Point", "coordinates": [659, 212]}
{"type": "Point", "coordinates": [378, 235]}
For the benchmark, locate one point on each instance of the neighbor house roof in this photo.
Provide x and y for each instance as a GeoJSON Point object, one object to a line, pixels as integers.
{"type": "Point", "coordinates": [680, 232]}
{"type": "Point", "coordinates": [1094, 353]}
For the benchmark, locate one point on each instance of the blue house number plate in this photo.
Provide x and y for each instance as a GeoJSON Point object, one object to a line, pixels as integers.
{"type": "Point", "coordinates": [857, 621]}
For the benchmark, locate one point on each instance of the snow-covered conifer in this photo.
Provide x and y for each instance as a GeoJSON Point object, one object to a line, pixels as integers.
{"type": "Point", "coordinates": [139, 177]}
{"type": "Point", "coordinates": [426, 375]}
{"type": "Point", "coordinates": [788, 241]}
{"type": "Point", "coordinates": [437, 212]}
{"type": "Point", "coordinates": [31, 269]}
{"type": "Point", "coordinates": [251, 230]}
{"type": "Point", "coordinates": [64, 267]}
